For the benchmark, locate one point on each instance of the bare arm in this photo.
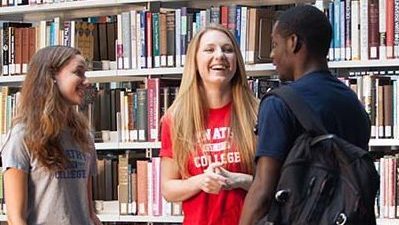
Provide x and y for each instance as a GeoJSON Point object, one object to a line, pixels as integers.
{"type": "Point", "coordinates": [16, 195]}
{"type": "Point", "coordinates": [93, 215]}
{"type": "Point", "coordinates": [235, 180]}
{"type": "Point", "coordinates": [260, 195]}
{"type": "Point", "coordinates": [176, 189]}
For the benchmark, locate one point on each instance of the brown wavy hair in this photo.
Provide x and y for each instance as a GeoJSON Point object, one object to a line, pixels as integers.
{"type": "Point", "coordinates": [44, 112]}
{"type": "Point", "coordinates": [189, 109]}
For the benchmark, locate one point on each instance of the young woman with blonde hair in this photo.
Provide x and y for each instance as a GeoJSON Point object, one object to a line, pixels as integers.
{"type": "Point", "coordinates": [49, 156]}
{"type": "Point", "coordinates": [207, 135]}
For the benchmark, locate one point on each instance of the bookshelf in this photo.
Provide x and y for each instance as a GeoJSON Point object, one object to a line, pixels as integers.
{"type": "Point", "coordinates": [75, 9]}
{"type": "Point", "coordinates": [127, 145]}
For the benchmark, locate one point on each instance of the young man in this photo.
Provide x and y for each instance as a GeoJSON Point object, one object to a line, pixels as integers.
{"type": "Point", "coordinates": [301, 39]}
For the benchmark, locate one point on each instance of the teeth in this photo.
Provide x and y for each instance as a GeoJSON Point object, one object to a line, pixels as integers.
{"type": "Point", "coordinates": [218, 67]}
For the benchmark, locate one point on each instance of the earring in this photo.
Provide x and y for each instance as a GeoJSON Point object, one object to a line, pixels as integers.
{"type": "Point", "coordinates": [54, 81]}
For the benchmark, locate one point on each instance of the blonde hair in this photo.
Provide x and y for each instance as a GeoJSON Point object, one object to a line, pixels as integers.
{"type": "Point", "coordinates": [189, 110]}
{"type": "Point", "coordinates": [50, 114]}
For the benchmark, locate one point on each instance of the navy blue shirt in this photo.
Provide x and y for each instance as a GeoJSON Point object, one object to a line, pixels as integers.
{"type": "Point", "coordinates": [337, 105]}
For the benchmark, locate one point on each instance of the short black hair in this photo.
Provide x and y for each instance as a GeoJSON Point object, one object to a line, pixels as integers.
{"type": "Point", "coordinates": [310, 25]}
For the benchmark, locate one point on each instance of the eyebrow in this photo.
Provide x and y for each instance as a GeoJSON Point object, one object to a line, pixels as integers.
{"type": "Point", "coordinates": [82, 65]}
{"type": "Point", "coordinates": [213, 44]}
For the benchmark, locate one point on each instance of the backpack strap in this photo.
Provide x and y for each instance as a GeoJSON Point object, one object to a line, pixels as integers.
{"type": "Point", "coordinates": [305, 115]}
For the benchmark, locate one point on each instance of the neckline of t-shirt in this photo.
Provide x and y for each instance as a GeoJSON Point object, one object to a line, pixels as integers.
{"type": "Point", "coordinates": [222, 108]}
{"type": "Point", "coordinates": [316, 72]}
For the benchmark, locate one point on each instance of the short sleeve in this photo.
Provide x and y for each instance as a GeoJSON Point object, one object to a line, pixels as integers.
{"type": "Point", "coordinates": [277, 129]}
{"type": "Point", "coordinates": [14, 153]}
{"type": "Point", "coordinates": [166, 138]}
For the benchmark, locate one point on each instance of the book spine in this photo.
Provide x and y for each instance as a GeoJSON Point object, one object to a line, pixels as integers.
{"type": "Point", "coordinates": [133, 39]}
{"type": "Point", "coordinates": [373, 30]}
{"type": "Point", "coordinates": [382, 29]}
{"type": "Point", "coordinates": [156, 40]}
{"type": "Point", "coordinates": [170, 27]}
{"type": "Point", "coordinates": [126, 40]}
{"type": "Point", "coordinates": [364, 50]}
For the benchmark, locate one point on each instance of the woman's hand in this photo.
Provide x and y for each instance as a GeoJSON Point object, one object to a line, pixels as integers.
{"type": "Point", "coordinates": [210, 181]}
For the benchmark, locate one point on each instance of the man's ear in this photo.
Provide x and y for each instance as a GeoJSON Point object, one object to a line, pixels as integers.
{"type": "Point", "coordinates": [295, 43]}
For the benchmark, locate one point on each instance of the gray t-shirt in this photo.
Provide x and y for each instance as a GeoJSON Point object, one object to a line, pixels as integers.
{"type": "Point", "coordinates": [53, 197]}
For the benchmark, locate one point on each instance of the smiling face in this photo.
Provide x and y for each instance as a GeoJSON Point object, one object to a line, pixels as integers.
{"type": "Point", "coordinates": [71, 80]}
{"type": "Point", "coordinates": [281, 55]}
{"type": "Point", "coordinates": [216, 59]}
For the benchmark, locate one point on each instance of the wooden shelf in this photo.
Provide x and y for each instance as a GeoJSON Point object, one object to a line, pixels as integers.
{"type": "Point", "coordinates": [177, 219]}
{"type": "Point", "coordinates": [364, 63]}
{"type": "Point", "coordinates": [68, 9]}
{"type": "Point", "coordinates": [127, 145]}
{"type": "Point", "coordinates": [150, 219]}
{"type": "Point", "coordinates": [384, 142]}
{"type": "Point", "coordinates": [387, 221]}
{"type": "Point", "coordinates": [263, 69]}
{"type": "Point", "coordinates": [138, 219]}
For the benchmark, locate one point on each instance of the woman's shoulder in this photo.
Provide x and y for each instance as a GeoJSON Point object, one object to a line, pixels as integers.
{"type": "Point", "coordinates": [14, 141]}
{"type": "Point", "coordinates": [16, 131]}
{"type": "Point", "coordinates": [167, 118]}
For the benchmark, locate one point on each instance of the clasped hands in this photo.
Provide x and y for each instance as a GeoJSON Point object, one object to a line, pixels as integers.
{"type": "Point", "coordinates": [216, 178]}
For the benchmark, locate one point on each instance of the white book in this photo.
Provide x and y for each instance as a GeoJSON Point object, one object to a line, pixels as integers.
{"type": "Point", "coordinates": [42, 34]}
{"type": "Point", "coordinates": [355, 30]}
{"type": "Point", "coordinates": [133, 37]}
{"type": "Point", "coordinates": [73, 25]}
{"type": "Point", "coordinates": [119, 43]}
{"type": "Point", "coordinates": [156, 187]}
{"type": "Point", "coordinates": [123, 116]}
{"type": "Point", "coordinates": [138, 42]}
{"type": "Point", "coordinates": [382, 187]}
{"type": "Point", "coordinates": [166, 207]}
{"type": "Point", "coordinates": [126, 118]}
{"type": "Point", "coordinates": [126, 40]}
{"type": "Point", "coordinates": [56, 29]}
{"type": "Point", "coordinates": [150, 191]}
{"type": "Point", "coordinates": [364, 37]}
{"type": "Point", "coordinates": [202, 18]}
{"type": "Point", "coordinates": [178, 37]}
{"type": "Point", "coordinates": [243, 37]}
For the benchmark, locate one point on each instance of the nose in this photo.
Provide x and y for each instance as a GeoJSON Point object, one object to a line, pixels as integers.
{"type": "Point", "coordinates": [272, 53]}
{"type": "Point", "coordinates": [219, 53]}
{"type": "Point", "coordinates": [85, 81]}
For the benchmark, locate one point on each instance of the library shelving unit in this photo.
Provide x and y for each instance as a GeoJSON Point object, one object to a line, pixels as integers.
{"type": "Point", "coordinates": [89, 8]}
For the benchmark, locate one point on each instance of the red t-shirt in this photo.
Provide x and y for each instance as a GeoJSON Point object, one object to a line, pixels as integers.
{"type": "Point", "coordinates": [203, 208]}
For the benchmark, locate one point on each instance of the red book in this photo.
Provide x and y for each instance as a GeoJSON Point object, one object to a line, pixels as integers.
{"type": "Point", "coordinates": [224, 16]}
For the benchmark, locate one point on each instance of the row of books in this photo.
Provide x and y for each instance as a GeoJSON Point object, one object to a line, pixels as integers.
{"type": "Point", "coordinates": [21, 40]}
{"type": "Point", "coordinates": [379, 95]}
{"type": "Point", "coordinates": [364, 29]}
{"type": "Point", "coordinates": [142, 39]}
{"type": "Point", "coordinates": [159, 38]}
{"type": "Point", "coordinates": [127, 112]}
{"type": "Point", "coordinates": [134, 112]}
{"type": "Point", "coordinates": [387, 202]}
{"type": "Point", "coordinates": [134, 181]}
{"type": "Point", "coordinates": [8, 3]}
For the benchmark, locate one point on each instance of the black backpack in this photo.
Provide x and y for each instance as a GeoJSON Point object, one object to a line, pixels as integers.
{"type": "Point", "coordinates": [324, 180]}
